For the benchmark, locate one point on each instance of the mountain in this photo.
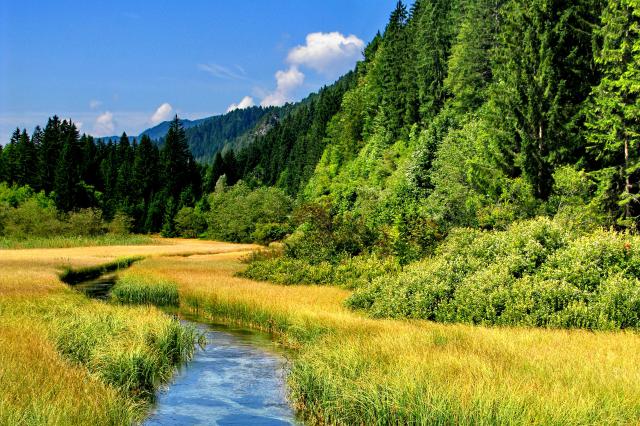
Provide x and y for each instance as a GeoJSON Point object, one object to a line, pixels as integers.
{"type": "Point", "coordinates": [206, 136]}
{"type": "Point", "coordinates": [159, 131]}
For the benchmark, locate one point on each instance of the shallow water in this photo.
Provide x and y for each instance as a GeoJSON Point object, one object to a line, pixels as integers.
{"type": "Point", "coordinates": [98, 288]}
{"type": "Point", "coordinates": [235, 380]}
{"type": "Point", "coordinates": [238, 378]}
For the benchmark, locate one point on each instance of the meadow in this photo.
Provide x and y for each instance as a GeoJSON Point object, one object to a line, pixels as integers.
{"type": "Point", "coordinates": [346, 367]}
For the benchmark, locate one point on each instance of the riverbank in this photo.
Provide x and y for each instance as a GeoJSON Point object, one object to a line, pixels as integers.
{"type": "Point", "coordinates": [352, 369]}
{"type": "Point", "coordinates": [347, 368]}
{"type": "Point", "coordinates": [66, 359]}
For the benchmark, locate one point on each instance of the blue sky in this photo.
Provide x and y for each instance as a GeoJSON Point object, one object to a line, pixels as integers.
{"type": "Point", "coordinates": [116, 66]}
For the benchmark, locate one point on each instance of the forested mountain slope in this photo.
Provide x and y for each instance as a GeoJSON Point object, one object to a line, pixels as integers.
{"type": "Point", "coordinates": [470, 113]}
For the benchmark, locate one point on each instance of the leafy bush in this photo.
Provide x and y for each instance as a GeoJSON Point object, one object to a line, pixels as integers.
{"type": "Point", "coordinates": [323, 238]}
{"type": "Point", "coordinates": [190, 222]}
{"type": "Point", "coordinates": [535, 273]}
{"type": "Point", "coordinates": [236, 213]}
{"type": "Point", "coordinates": [351, 272]}
{"type": "Point", "coordinates": [121, 224]}
{"type": "Point", "coordinates": [27, 214]}
{"type": "Point", "coordinates": [86, 222]}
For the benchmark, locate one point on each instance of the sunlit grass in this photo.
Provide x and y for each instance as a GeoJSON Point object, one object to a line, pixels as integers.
{"type": "Point", "coordinates": [76, 241]}
{"type": "Point", "coordinates": [145, 290]}
{"type": "Point", "coordinates": [347, 368]}
{"type": "Point", "coordinates": [351, 369]}
{"type": "Point", "coordinates": [65, 359]}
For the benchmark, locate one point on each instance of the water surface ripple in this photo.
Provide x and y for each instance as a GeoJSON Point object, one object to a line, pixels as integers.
{"type": "Point", "coordinates": [234, 380]}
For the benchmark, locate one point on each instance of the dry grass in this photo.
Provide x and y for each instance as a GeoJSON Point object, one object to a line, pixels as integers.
{"type": "Point", "coordinates": [349, 368]}
{"type": "Point", "coordinates": [352, 369]}
{"type": "Point", "coordinates": [39, 385]}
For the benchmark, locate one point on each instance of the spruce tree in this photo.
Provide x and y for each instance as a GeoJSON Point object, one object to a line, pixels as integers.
{"type": "Point", "coordinates": [67, 180]}
{"type": "Point", "coordinates": [544, 71]}
{"type": "Point", "coordinates": [614, 112]}
{"type": "Point", "coordinates": [49, 152]}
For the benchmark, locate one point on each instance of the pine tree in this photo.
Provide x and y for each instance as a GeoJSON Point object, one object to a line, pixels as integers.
{"type": "Point", "coordinates": [433, 24]}
{"type": "Point", "coordinates": [177, 162]}
{"type": "Point", "coordinates": [614, 113]}
{"type": "Point", "coordinates": [26, 172]}
{"type": "Point", "coordinates": [217, 170]}
{"type": "Point", "coordinates": [544, 72]}
{"type": "Point", "coordinates": [388, 72]}
{"type": "Point", "coordinates": [469, 65]}
{"type": "Point", "coordinates": [68, 195]}
{"type": "Point", "coordinates": [49, 151]}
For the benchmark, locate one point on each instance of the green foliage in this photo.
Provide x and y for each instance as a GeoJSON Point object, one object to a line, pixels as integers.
{"type": "Point", "coordinates": [143, 290]}
{"type": "Point", "coordinates": [612, 114]}
{"type": "Point", "coordinates": [25, 214]}
{"type": "Point", "coordinates": [351, 272]}
{"type": "Point", "coordinates": [534, 274]}
{"type": "Point", "coordinates": [190, 222]}
{"type": "Point", "coordinates": [241, 214]}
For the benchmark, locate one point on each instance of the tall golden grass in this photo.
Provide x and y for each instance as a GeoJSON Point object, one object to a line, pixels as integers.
{"type": "Point", "coordinates": [346, 369]}
{"type": "Point", "coordinates": [65, 359]}
{"type": "Point", "coordinates": [350, 369]}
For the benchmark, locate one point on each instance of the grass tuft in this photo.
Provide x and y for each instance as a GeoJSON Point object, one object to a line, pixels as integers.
{"type": "Point", "coordinates": [145, 290]}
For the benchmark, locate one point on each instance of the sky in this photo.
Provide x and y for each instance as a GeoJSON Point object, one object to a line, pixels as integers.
{"type": "Point", "coordinates": [114, 66]}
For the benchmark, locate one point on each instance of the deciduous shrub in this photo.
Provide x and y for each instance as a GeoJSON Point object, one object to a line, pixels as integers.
{"type": "Point", "coordinates": [536, 273]}
{"type": "Point", "coordinates": [236, 213]}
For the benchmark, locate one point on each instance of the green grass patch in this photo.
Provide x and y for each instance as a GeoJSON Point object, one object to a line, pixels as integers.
{"type": "Point", "coordinates": [67, 241]}
{"type": "Point", "coordinates": [144, 290]}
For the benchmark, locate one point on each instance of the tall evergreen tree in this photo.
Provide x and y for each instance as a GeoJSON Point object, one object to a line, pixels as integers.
{"type": "Point", "coordinates": [49, 151]}
{"type": "Point", "coordinates": [26, 172]}
{"type": "Point", "coordinates": [433, 25]}
{"type": "Point", "coordinates": [469, 70]}
{"type": "Point", "coordinates": [544, 71]}
{"type": "Point", "coordinates": [389, 71]}
{"type": "Point", "coordinates": [614, 113]}
{"type": "Point", "coordinates": [68, 192]}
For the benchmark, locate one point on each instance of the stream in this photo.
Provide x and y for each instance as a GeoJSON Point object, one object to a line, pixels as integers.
{"type": "Point", "coordinates": [238, 378]}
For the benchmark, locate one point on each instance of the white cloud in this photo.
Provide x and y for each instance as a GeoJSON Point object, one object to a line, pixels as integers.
{"type": "Point", "coordinates": [330, 54]}
{"type": "Point", "coordinates": [246, 102]}
{"type": "Point", "coordinates": [286, 83]}
{"type": "Point", "coordinates": [238, 73]}
{"type": "Point", "coordinates": [104, 125]}
{"type": "Point", "coordinates": [163, 113]}
{"type": "Point", "coordinates": [95, 104]}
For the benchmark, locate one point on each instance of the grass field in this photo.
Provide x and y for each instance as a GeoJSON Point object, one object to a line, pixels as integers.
{"type": "Point", "coordinates": [65, 241]}
{"type": "Point", "coordinates": [65, 359]}
{"type": "Point", "coordinates": [347, 368]}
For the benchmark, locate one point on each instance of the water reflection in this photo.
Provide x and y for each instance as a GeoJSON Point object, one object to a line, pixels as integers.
{"type": "Point", "coordinates": [234, 380]}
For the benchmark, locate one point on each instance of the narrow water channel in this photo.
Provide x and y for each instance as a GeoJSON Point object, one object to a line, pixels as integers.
{"type": "Point", "coordinates": [238, 378]}
{"type": "Point", "coordinates": [234, 380]}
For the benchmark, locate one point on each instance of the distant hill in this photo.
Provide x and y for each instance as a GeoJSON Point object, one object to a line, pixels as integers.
{"type": "Point", "coordinates": [159, 131]}
{"type": "Point", "coordinates": [206, 136]}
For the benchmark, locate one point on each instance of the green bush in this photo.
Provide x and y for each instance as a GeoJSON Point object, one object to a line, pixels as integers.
{"type": "Point", "coordinates": [536, 273]}
{"type": "Point", "coordinates": [266, 233]}
{"type": "Point", "coordinates": [236, 213]}
{"type": "Point", "coordinates": [190, 222]}
{"type": "Point", "coordinates": [351, 272]}
{"type": "Point", "coordinates": [25, 214]}
{"type": "Point", "coordinates": [86, 222]}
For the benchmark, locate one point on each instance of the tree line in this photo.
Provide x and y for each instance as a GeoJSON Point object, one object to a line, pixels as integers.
{"type": "Point", "coordinates": [126, 176]}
